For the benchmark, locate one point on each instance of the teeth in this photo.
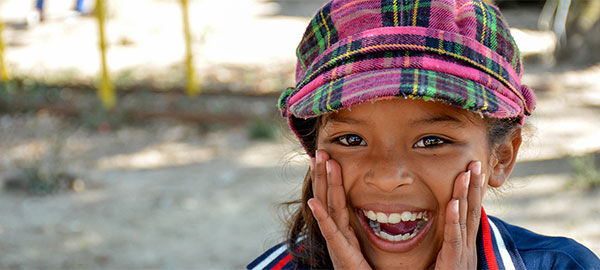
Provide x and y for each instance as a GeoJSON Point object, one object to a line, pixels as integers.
{"type": "Point", "coordinates": [382, 218]}
{"type": "Point", "coordinates": [376, 218]}
{"type": "Point", "coordinates": [371, 215]}
{"type": "Point", "coordinates": [386, 236]}
{"type": "Point", "coordinates": [396, 238]}
{"type": "Point", "coordinates": [394, 217]}
{"type": "Point", "coordinates": [420, 224]}
{"type": "Point", "coordinates": [375, 226]}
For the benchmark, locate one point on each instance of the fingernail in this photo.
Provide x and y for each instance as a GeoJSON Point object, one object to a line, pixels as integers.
{"type": "Point", "coordinates": [327, 167]}
{"type": "Point", "coordinates": [319, 157]}
{"type": "Point", "coordinates": [477, 168]}
{"type": "Point", "coordinates": [312, 164]}
{"type": "Point", "coordinates": [454, 206]}
{"type": "Point", "coordinates": [310, 205]}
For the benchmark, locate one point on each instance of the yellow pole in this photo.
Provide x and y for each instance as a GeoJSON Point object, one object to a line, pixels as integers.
{"type": "Point", "coordinates": [191, 90]}
{"type": "Point", "coordinates": [106, 92]}
{"type": "Point", "coordinates": [3, 72]}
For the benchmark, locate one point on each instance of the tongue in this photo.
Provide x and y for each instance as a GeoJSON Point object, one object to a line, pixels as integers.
{"type": "Point", "coordinates": [399, 228]}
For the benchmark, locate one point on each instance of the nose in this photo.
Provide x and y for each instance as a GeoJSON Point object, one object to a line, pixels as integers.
{"type": "Point", "coordinates": [388, 172]}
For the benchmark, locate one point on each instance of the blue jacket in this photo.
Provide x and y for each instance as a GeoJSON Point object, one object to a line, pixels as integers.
{"type": "Point", "coordinates": [499, 246]}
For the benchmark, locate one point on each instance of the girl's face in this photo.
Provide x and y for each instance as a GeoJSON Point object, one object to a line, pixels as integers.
{"type": "Point", "coordinates": [401, 158]}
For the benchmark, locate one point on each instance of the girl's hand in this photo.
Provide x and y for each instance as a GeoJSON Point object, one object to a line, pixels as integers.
{"type": "Point", "coordinates": [334, 221]}
{"type": "Point", "coordinates": [459, 249]}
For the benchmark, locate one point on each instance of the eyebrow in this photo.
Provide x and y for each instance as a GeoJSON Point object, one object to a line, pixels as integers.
{"type": "Point", "coordinates": [434, 119]}
{"type": "Point", "coordinates": [341, 119]}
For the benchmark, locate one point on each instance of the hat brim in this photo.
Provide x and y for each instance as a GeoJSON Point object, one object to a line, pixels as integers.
{"type": "Point", "coordinates": [358, 88]}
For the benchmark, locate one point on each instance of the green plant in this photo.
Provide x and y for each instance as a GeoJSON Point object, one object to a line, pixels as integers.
{"type": "Point", "coordinates": [586, 172]}
{"type": "Point", "coordinates": [44, 172]}
{"type": "Point", "coordinates": [101, 119]}
{"type": "Point", "coordinates": [37, 182]}
{"type": "Point", "coordinates": [260, 129]}
{"type": "Point", "coordinates": [33, 179]}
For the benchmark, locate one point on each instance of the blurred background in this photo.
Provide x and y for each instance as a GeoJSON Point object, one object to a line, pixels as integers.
{"type": "Point", "coordinates": [134, 136]}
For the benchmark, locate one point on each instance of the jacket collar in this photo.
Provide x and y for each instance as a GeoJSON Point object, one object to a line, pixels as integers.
{"type": "Point", "coordinates": [495, 248]}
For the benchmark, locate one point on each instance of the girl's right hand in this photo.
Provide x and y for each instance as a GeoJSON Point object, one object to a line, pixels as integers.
{"type": "Point", "coordinates": [334, 221]}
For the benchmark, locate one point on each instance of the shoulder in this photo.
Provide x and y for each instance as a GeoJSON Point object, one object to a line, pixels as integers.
{"type": "Point", "coordinates": [277, 257]}
{"type": "Point", "coordinates": [544, 252]}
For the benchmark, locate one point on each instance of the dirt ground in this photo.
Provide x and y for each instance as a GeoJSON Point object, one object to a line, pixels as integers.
{"type": "Point", "coordinates": [166, 195]}
{"type": "Point", "coordinates": [172, 195]}
{"type": "Point", "coordinates": [160, 196]}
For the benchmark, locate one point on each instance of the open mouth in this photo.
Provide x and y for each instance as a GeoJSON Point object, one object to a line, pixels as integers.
{"type": "Point", "coordinates": [396, 227]}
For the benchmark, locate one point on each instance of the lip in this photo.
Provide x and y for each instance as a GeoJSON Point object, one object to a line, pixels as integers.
{"type": "Point", "coordinates": [389, 246]}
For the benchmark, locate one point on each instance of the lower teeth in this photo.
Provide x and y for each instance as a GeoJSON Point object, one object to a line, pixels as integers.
{"type": "Point", "coordinates": [395, 238]}
{"type": "Point", "coordinates": [374, 226]}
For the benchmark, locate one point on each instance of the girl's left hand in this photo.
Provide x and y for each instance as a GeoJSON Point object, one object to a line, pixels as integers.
{"type": "Point", "coordinates": [463, 214]}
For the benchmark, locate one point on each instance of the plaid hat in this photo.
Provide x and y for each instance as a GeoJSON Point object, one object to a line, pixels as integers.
{"type": "Point", "coordinates": [459, 52]}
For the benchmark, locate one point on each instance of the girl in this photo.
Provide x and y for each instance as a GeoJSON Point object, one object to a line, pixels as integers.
{"type": "Point", "coordinates": [410, 110]}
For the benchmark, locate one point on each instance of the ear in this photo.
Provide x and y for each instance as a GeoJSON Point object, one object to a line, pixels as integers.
{"type": "Point", "coordinates": [504, 158]}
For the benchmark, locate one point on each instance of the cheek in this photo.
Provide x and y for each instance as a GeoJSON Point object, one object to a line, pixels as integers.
{"type": "Point", "coordinates": [354, 166]}
{"type": "Point", "coordinates": [351, 169]}
{"type": "Point", "coordinates": [440, 172]}
{"type": "Point", "coordinates": [439, 177]}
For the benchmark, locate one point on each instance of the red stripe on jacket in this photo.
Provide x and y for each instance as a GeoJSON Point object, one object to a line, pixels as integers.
{"type": "Point", "coordinates": [286, 259]}
{"type": "Point", "coordinates": [488, 247]}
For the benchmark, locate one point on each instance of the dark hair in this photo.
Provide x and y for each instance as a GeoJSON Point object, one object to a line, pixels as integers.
{"type": "Point", "coordinates": [311, 251]}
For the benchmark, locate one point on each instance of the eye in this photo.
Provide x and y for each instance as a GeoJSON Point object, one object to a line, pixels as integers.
{"type": "Point", "coordinates": [350, 140]}
{"type": "Point", "coordinates": [430, 141]}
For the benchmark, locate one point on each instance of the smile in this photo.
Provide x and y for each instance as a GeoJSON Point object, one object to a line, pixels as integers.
{"type": "Point", "coordinates": [395, 231]}
{"type": "Point", "coordinates": [396, 227]}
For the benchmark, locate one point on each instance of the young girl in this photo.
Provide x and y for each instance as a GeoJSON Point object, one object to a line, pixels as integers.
{"type": "Point", "coordinates": [410, 110]}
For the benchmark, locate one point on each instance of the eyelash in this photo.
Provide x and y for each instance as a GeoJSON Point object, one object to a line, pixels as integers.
{"type": "Point", "coordinates": [426, 142]}
{"type": "Point", "coordinates": [345, 138]}
{"type": "Point", "coordinates": [430, 142]}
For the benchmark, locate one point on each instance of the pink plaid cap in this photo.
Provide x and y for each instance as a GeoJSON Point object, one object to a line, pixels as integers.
{"type": "Point", "coordinates": [459, 52]}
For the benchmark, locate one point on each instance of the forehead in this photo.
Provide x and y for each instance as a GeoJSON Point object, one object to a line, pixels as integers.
{"type": "Point", "coordinates": [407, 111]}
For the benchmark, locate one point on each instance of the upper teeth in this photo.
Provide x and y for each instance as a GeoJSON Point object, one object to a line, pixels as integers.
{"type": "Point", "coordinates": [394, 217]}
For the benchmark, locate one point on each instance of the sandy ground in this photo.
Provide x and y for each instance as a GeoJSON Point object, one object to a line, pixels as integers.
{"type": "Point", "coordinates": [167, 194]}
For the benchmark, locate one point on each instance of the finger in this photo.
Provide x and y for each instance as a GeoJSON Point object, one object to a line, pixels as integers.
{"type": "Point", "coordinates": [336, 198]}
{"type": "Point", "coordinates": [336, 241]}
{"type": "Point", "coordinates": [311, 165]}
{"type": "Point", "coordinates": [311, 172]}
{"type": "Point", "coordinates": [341, 251]}
{"type": "Point", "coordinates": [460, 193]}
{"type": "Point", "coordinates": [312, 176]}
{"type": "Point", "coordinates": [474, 198]}
{"type": "Point", "coordinates": [319, 183]}
{"type": "Point", "coordinates": [450, 254]}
